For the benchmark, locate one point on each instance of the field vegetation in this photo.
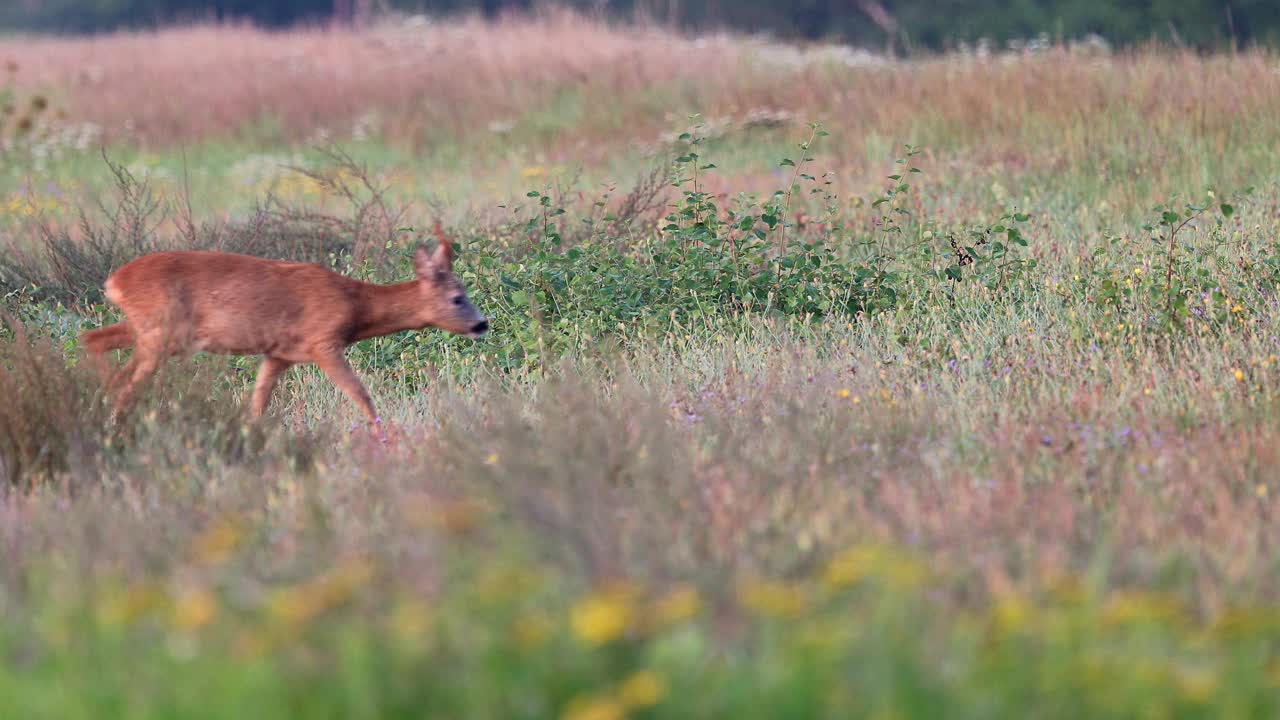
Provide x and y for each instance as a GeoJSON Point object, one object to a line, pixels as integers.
{"type": "Point", "coordinates": [820, 384]}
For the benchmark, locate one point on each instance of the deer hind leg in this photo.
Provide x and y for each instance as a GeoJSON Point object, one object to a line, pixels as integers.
{"type": "Point", "coordinates": [97, 343]}
{"type": "Point", "coordinates": [335, 366]}
{"type": "Point", "coordinates": [268, 373]}
{"type": "Point", "coordinates": [144, 363]}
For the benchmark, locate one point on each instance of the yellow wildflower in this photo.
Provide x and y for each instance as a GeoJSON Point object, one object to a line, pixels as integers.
{"type": "Point", "coordinates": [216, 544]}
{"type": "Point", "coordinates": [904, 572]}
{"type": "Point", "coordinates": [1261, 490]}
{"type": "Point", "coordinates": [250, 645]}
{"type": "Point", "coordinates": [195, 609]}
{"type": "Point", "coordinates": [849, 567]}
{"type": "Point", "coordinates": [1067, 589]}
{"type": "Point", "coordinates": [642, 689]}
{"type": "Point", "coordinates": [680, 604]}
{"type": "Point", "coordinates": [298, 605]}
{"type": "Point", "coordinates": [1197, 685]}
{"type": "Point", "coordinates": [1137, 606]}
{"type": "Point", "coordinates": [1239, 375]}
{"type": "Point", "coordinates": [1244, 622]}
{"type": "Point", "coordinates": [603, 616]}
{"type": "Point", "coordinates": [295, 606]}
{"type": "Point", "coordinates": [531, 630]}
{"type": "Point", "coordinates": [458, 516]}
{"type": "Point", "coordinates": [594, 707]}
{"type": "Point", "coordinates": [131, 604]}
{"type": "Point", "coordinates": [411, 619]}
{"type": "Point", "coordinates": [535, 171]}
{"type": "Point", "coordinates": [842, 393]}
{"type": "Point", "coordinates": [772, 599]}
{"type": "Point", "coordinates": [501, 584]}
{"type": "Point", "coordinates": [1011, 613]}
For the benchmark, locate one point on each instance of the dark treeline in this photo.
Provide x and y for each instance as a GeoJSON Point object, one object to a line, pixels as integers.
{"type": "Point", "coordinates": [909, 24]}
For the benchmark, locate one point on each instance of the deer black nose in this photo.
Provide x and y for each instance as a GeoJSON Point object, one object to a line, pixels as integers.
{"type": "Point", "coordinates": [481, 327]}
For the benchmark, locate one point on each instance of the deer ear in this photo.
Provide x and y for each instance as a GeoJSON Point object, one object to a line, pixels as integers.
{"type": "Point", "coordinates": [444, 251]}
{"type": "Point", "coordinates": [443, 257]}
{"type": "Point", "coordinates": [423, 266]}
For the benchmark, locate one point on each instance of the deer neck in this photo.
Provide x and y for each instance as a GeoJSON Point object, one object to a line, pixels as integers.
{"type": "Point", "coordinates": [386, 309]}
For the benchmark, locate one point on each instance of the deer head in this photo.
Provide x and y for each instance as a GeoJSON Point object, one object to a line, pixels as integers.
{"type": "Point", "coordinates": [444, 300]}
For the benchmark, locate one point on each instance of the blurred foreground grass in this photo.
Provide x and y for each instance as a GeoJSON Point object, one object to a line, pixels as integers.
{"type": "Point", "coordinates": [994, 439]}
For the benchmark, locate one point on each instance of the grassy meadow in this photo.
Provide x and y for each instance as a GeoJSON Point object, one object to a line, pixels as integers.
{"type": "Point", "coordinates": [820, 384]}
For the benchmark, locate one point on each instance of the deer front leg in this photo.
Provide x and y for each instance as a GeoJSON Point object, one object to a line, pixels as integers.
{"type": "Point", "coordinates": [333, 362]}
{"type": "Point", "coordinates": [268, 373]}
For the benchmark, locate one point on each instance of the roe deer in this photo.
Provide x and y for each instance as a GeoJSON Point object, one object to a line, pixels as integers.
{"type": "Point", "coordinates": [288, 312]}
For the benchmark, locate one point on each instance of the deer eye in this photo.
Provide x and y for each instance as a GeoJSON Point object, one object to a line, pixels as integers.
{"type": "Point", "coordinates": [457, 300]}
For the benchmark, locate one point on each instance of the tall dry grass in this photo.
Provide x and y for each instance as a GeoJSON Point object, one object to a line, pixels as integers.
{"type": "Point", "coordinates": [701, 460]}
{"type": "Point", "coordinates": [570, 82]}
{"type": "Point", "coordinates": [199, 82]}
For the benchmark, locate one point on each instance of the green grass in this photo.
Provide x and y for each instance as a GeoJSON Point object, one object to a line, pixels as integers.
{"type": "Point", "coordinates": [826, 470]}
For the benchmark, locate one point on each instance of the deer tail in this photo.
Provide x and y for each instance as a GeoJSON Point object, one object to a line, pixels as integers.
{"type": "Point", "coordinates": [111, 337]}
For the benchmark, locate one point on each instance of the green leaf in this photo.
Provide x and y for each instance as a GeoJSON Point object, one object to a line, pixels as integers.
{"type": "Point", "coordinates": [1227, 210]}
{"type": "Point", "coordinates": [786, 162]}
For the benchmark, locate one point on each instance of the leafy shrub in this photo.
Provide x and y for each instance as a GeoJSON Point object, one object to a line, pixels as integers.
{"type": "Point", "coordinates": [1181, 273]}
{"type": "Point", "coordinates": [551, 289]}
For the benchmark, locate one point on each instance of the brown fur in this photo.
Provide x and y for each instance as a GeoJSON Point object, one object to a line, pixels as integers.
{"type": "Point", "coordinates": [176, 303]}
